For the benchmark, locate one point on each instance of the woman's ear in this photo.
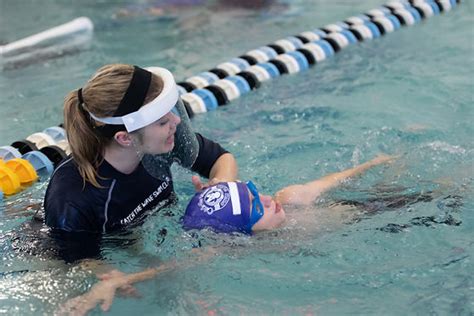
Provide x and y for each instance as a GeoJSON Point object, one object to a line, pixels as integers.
{"type": "Point", "coordinates": [123, 138]}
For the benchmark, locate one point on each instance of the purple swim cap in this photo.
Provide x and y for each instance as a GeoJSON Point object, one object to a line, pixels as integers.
{"type": "Point", "coordinates": [224, 207]}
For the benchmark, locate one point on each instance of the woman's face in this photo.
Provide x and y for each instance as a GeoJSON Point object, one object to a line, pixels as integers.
{"type": "Point", "coordinates": [158, 137]}
{"type": "Point", "coordinates": [273, 216]}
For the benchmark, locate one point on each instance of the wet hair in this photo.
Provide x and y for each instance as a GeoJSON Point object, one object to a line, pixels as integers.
{"type": "Point", "coordinates": [101, 96]}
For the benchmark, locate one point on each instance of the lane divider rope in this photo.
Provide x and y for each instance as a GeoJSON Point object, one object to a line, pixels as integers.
{"type": "Point", "coordinates": [227, 81]}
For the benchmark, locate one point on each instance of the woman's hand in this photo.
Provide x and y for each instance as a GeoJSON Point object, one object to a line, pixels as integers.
{"type": "Point", "coordinates": [224, 169]}
{"type": "Point", "coordinates": [102, 293]}
{"type": "Point", "coordinates": [125, 290]}
{"type": "Point", "coordinates": [199, 186]}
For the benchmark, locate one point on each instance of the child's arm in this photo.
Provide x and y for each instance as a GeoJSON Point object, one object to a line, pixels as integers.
{"type": "Point", "coordinates": [306, 194]}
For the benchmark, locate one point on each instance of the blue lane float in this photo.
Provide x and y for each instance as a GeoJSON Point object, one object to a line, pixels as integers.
{"type": "Point", "coordinates": [242, 85]}
{"type": "Point", "coordinates": [270, 71]}
{"type": "Point", "coordinates": [43, 166]}
{"type": "Point", "coordinates": [9, 152]}
{"type": "Point", "coordinates": [56, 133]}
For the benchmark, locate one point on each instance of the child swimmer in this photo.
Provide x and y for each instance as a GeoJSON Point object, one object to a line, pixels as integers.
{"type": "Point", "coordinates": [238, 207]}
{"type": "Point", "coordinates": [225, 207]}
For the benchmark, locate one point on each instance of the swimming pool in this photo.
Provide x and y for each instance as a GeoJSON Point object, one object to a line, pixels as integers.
{"type": "Point", "coordinates": [409, 249]}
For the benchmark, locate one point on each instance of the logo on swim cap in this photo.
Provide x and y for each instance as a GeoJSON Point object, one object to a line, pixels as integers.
{"type": "Point", "coordinates": [214, 199]}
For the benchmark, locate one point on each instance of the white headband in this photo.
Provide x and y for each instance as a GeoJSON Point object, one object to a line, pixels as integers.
{"type": "Point", "coordinates": [150, 112]}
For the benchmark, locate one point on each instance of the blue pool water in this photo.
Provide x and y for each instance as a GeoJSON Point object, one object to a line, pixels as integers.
{"type": "Point", "coordinates": [398, 240]}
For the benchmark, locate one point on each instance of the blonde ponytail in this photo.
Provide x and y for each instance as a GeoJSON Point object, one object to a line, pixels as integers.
{"type": "Point", "coordinates": [101, 96]}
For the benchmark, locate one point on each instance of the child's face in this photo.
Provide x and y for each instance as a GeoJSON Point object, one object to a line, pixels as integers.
{"type": "Point", "coordinates": [273, 215]}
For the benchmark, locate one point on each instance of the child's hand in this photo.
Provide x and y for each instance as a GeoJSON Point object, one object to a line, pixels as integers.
{"type": "Point", "coordinates": [381, 158]}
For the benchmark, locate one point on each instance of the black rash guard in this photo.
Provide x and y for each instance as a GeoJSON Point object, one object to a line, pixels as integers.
{"type": "Point", "coordinates": [124, 199]}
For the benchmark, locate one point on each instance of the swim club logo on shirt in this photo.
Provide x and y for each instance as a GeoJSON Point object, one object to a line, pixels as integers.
{"type": "Point", "coordinates": [214, 199]}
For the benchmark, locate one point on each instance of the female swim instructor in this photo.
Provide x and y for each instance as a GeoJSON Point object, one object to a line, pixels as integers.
{"type": "Point", "coordinates": [126, 126]}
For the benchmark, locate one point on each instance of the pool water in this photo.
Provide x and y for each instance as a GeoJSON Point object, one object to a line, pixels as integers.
{"type": "Point", "coordinates": [403, 243]}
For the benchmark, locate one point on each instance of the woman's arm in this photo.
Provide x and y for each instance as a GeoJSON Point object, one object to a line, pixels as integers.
{"type": "Point", "coordinates": [103, 292]}
{"type": "Point", "coordinates": [305, 194]}
{"type": "Point", "coordinates": [214, 163]}
{"type": "Point", "coordinates": [224, 169]}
